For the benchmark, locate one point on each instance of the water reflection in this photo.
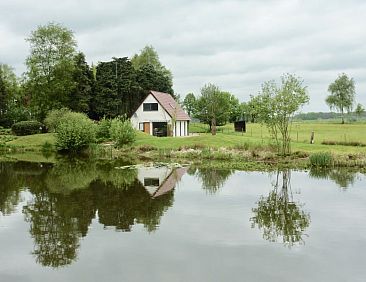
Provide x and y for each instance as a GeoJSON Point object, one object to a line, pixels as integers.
{"type": "Point", "coordinates": [212, 179]}
{"type": "Point", "coordinates": [279, 216]}
{"type": "Point", "coordinates": [342, 177]}
{"type": "Point", "coordinates": [66, 197]}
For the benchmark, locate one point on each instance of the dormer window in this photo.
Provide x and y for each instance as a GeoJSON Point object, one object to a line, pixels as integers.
{"type": "Point", "coordinates": [150, 107]}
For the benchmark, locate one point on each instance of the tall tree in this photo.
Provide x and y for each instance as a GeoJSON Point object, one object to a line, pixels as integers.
{"type": "Point", "coordinates": [342, 95]}
{"type": "Point", "coordinates": [116, 89]}
{"type": "Point", "coordinates": [149, 57]}
{"type": "Point", "coordinates": [189, 104]}
{"type": "Point", "coordinates": [149, 78]}
{"type": "Point", "coordinates": [50, 67]}
{"type": "Point", "coordinates": [275, 106]}
{"type": "Point", "coordinates": [213, 107]}
{"type": "Point", "coordinates": [83, 83]}
{"type": "Point", "coordinates": [359, 110]}
{"type": "Point", "coordinates": [3, 95]}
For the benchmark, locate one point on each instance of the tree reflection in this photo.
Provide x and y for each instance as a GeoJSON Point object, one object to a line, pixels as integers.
{"type": "Point", "coordinates": [67, 196]}
{"type": "Point", "coordinates": [57, 222]}
{"type": "Point", "coordinates": [122, 208]}
{"type": "Point", "coordinates": [213, 179]}
{"type": "Point", "coordinates": [279, 216]}
{"type": "Point", "coordinates": [342, 177]}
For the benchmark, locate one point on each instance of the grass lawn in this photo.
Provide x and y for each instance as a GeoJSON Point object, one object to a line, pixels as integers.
{"type": "Point", "coordinates": [36, 140]}
{"type": "Point", "coordinates": [255, 135]}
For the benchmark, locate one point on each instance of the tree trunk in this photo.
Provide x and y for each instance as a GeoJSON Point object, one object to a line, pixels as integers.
{"type": "Point", "coordinates": [342, 117]}
{"type": "Point", "coordinates": [213, 126]}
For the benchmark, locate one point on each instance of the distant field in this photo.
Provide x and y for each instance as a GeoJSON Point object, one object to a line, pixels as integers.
{"type": "Point", "coordinates": [301, 131]}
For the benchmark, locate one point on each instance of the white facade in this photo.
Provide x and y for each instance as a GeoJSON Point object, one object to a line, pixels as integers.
{"type": "Point", "coordinates": [141, 118]}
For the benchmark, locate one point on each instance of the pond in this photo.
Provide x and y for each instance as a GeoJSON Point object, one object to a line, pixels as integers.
{"type": "Point", "coordinates": [93, 221]}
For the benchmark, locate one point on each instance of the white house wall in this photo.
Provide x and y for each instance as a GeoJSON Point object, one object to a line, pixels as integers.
{"type": "Point", "coordinates": [180, 128]}
{"type": "Point", "coordinates": [150, 116]}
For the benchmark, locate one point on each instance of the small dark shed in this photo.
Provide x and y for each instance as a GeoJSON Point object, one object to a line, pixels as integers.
{"type": "Point", "coordinates": [240, 126]}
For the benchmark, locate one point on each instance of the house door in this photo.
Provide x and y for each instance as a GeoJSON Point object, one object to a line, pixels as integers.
{"type": "Point", "coordinates": [147, 127]}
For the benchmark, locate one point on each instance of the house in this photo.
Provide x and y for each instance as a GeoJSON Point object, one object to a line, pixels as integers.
{"type": "Point", "coordinates": [160, 180]}
{"type": "Point", "coordinates": [160, 115]}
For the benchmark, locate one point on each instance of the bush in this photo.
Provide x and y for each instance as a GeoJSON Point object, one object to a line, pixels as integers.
{"type": "Point", "coordinates": [27, 127]}
{"type": "Point", "coordinates": [321, 159]}
{"type": "Point", "coordinates": [54, 117]}
{"type": "Point", "coordinates": [104, 126]}
{"type": "Point", "coordinates": [122, 132]}
{"type": "Point", "coordinates": [75, 131]}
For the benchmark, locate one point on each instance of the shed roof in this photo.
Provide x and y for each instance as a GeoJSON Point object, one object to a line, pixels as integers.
{"type": "Point", "coordinates": [170, 105]}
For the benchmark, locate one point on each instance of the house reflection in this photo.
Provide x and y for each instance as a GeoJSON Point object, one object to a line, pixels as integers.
{"type": "Point", "coordinates": [160, 180]}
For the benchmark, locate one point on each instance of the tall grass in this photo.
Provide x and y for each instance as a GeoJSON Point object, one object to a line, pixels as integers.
{"type": "Point", "coordinates": [321, 159]}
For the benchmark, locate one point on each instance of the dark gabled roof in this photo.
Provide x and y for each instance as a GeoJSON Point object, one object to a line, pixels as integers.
{"type": "Point", "coordinates": [170, 105]}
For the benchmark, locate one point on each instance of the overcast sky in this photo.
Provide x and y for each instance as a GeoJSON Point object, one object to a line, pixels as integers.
{"type": "Point", "coordinates": [234, 44]}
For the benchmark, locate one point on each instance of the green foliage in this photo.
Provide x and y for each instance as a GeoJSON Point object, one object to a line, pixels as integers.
{"type": "Point", "coordinates": [50, 68]}
{"type": "Point", "coordinates": [342, 94]}
{"type": "Point", "coordinates": [321, 159]}
{"type": "Point", "coordinates": [27, 127]}
{"type": "Point", "coordinates": [275, 107]}
{"type": "Point", "coordinates": [81, 93]}
{"type": "Point", "coordinates": [54, 117]}
{"type": "Point", "coordinates": [116, 89]}
{"type": "Point", "coordinates": [3, 94]}
{"type": "Point", "coordinates": [75, 132]}
{"type": "Point", "coordinates": [122, 132]}
{"type": "Point", "coordinates": [189, 104]}
{"type": "Point", "coordinates": [149, 58]}
{"type": "Point", "coordinates": [359, 110]}
{"type": "Point", "coordinates": [104, 126]}
{"type": "Point", "coordinates": [213, 106]}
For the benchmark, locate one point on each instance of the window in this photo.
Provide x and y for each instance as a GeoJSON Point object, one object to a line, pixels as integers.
{"type": "Point", "coordinates": [141, 126]}
{"type": "Point", "coordinates": [151, 181]}
{"type": "Point", "coordinates": [149, 107]}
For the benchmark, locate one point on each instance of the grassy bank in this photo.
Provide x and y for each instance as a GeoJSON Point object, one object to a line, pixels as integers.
{"type": "Point", "coordinates": [228, 148]}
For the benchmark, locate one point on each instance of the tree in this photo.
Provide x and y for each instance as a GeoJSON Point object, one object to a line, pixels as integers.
{"type": "Point", "coordinates": [82, 91]}
{"type": "Point", "coordinates": [116, 89]}
{"type": "Point", "coordinates": [359, 110]}
{"type": "Point", "coordinates": [50, 67]}
{"type": "Point", "coordinates": [189, 104]}
{"type": "Point", "coordinates": [149, 57]}
{"type": "Point", "coordinates": [275, 106]}
{"type": "Point", "coordinates": [149, 78]}
{"type": "Point", "coordinates": [342, 94]}
{"type": "Point", "coordinates": [213, 107]}
{"type": "Point", "coordinates": [11, 102]}
{"type": "Point", "coordinates": [3, 95]}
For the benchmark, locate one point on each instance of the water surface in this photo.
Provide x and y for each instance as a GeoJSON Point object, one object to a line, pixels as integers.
{"type": "Point", "coordinates": [88, 221]}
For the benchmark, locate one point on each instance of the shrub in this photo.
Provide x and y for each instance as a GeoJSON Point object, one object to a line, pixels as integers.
{"type": "Point", "coordinates": [321, 159]}
{"type": "Point", "coordinates": [54, 117]}
{"type": "Point", "coordinates": [122, 132]}
{"type": "Point", "coordinates": [104, 126]}
{"type": "Point", "coordinates": [27, 127]}
{"type": "Point", "coordinates": [75, 132]}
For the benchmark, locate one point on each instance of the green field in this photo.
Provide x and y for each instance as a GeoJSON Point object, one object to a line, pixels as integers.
{"type": "Point", "coordinates": [256, 135]}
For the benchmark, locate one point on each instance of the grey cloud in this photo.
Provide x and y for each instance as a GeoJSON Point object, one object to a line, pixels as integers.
{"type": "Point", "coordinates": [235, 44]}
